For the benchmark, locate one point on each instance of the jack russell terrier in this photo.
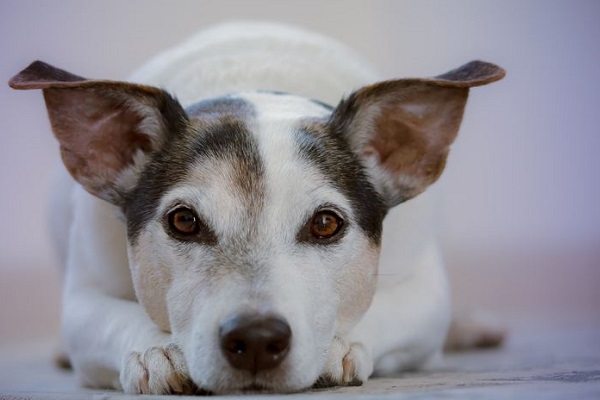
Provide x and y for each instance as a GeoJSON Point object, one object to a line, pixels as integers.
{"type": "Point", "coordinates": [227, 240]}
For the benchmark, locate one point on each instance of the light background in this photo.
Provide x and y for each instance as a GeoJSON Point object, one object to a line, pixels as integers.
{"type": "Point", "coordinates": [520, 213]}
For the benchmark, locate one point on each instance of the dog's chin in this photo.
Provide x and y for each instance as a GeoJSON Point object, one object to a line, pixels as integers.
{"type": "Point", "coordinates": [256, 385]}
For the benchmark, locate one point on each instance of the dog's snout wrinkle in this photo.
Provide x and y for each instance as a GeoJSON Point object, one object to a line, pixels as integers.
{"type": "Point", "coordinates": [255, 342]}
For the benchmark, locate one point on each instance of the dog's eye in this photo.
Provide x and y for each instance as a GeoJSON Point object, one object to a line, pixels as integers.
{"type": "Point", "coordinates": [325, 224]}
{"type": "Point", "coordinates": [183, 221]}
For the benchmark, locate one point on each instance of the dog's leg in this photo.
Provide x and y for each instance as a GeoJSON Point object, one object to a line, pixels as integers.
{"type": "Point", "coordinates": [406, 326]}
{"type": "Point", "coordinates": [113, 343]}
{"type": "Point", "coordinates": [408, 321]}
{"type": "Point", "coordinates": [403, 329]}
{"type": "Point", "coordinates": [110, 339]}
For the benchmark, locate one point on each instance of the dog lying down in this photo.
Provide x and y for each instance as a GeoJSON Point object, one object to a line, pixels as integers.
{"type": "Point", "coordinates": [225, 229]}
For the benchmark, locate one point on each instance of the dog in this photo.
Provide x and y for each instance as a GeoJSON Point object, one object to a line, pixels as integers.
{"type": "Point", "coordinates": [227, 240]}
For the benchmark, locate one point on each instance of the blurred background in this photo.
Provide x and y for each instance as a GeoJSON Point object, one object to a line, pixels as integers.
{"type": "Point", "coordinates": [520, 217]}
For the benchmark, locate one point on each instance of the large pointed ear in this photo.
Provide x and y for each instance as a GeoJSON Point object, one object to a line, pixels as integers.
{"type": "Point", "coordinates": [106, 129]}
{"type": "Point", "coordinates": [402, 130]}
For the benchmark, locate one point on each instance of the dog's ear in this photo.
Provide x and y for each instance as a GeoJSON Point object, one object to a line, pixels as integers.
{"type": "Point", "coordinates": [106, 129]}
{"type": "Point", "coordinates": [402, 129]}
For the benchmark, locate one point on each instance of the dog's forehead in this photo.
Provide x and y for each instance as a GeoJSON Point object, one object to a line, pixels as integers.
{"type": "Point", "coordinates": [253, 171]}
{"type": "Point", "coordinates": [280, 105]}
{"type": "Point", "coordinates": [243, 151]}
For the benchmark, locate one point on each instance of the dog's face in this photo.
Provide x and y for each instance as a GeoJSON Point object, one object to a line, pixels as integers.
{"type": "Point", "coordinates": [256, 211]}
{"type": "Point", "coordinates": [254, 220]}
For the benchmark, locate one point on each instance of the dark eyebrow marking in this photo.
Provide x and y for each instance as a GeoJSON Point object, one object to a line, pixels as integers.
{"type": "Point", "coordinates": [321, 145]}
{"type": "Point", "coordinates": [220, 106]}
{"type": "Point", "coordinates": [217, 130]}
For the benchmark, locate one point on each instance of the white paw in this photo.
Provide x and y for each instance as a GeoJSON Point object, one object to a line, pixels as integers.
{"type": "Point", "coordinates": [347, 365]}
{"type": "Point", "coordinates": [159, 370]}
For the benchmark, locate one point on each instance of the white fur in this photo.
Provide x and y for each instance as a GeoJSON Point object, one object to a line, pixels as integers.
{"type": "Point", "coordinates": [220, 60]}
{"type": "Point", "coordinates": [108, 333]}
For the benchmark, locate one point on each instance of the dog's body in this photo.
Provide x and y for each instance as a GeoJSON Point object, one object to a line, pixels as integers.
{"type": "Point", "coordinates": [251, 212]}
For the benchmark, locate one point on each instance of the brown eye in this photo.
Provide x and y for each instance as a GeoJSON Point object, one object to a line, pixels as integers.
{"type": "Point", "coordinates": [183, 221]}
{"type": "Point", "coordinates": [325, 224]}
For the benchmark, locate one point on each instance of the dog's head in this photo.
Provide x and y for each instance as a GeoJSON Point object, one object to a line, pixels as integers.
{"type": "Point", "coordinates": [254, 220]}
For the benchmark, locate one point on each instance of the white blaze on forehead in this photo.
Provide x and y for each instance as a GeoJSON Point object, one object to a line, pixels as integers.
{"type": "Point", "coordinates": [269, 106]}
{"type": "Point", "coordinates": [293, 187]}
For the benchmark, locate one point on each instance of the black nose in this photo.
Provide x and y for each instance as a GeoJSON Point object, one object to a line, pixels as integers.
{"type": "Point", "coordinates": [255, 342]}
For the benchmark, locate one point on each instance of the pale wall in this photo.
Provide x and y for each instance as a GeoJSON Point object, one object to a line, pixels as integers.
{"type": "Point", "coordinates": [522, 178]}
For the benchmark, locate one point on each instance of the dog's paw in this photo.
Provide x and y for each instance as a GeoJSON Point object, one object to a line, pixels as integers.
{"type": "Point", "coordinates": [159, 370]}
{"type": "Point", "coordinates": [347, 365]}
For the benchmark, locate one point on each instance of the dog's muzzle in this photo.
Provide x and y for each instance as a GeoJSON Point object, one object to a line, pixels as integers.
{"type": "Point", "coordinates": [255, 342]}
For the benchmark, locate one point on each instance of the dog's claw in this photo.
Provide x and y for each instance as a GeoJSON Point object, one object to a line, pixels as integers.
{"type": "Point", "coordinates": [350, 375]}
{"type": "Point", "coordinates": [158, 370]}
{"type": "Point", "coordinates": [348, 365]}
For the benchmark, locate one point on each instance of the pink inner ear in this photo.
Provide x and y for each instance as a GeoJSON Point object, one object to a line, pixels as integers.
{"type": "Point", "coordinates": [98, 135]}
{"type": "Point", "coordinates": [411, 138]}
{"type": "Point", "coordinates": [399, 143]}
